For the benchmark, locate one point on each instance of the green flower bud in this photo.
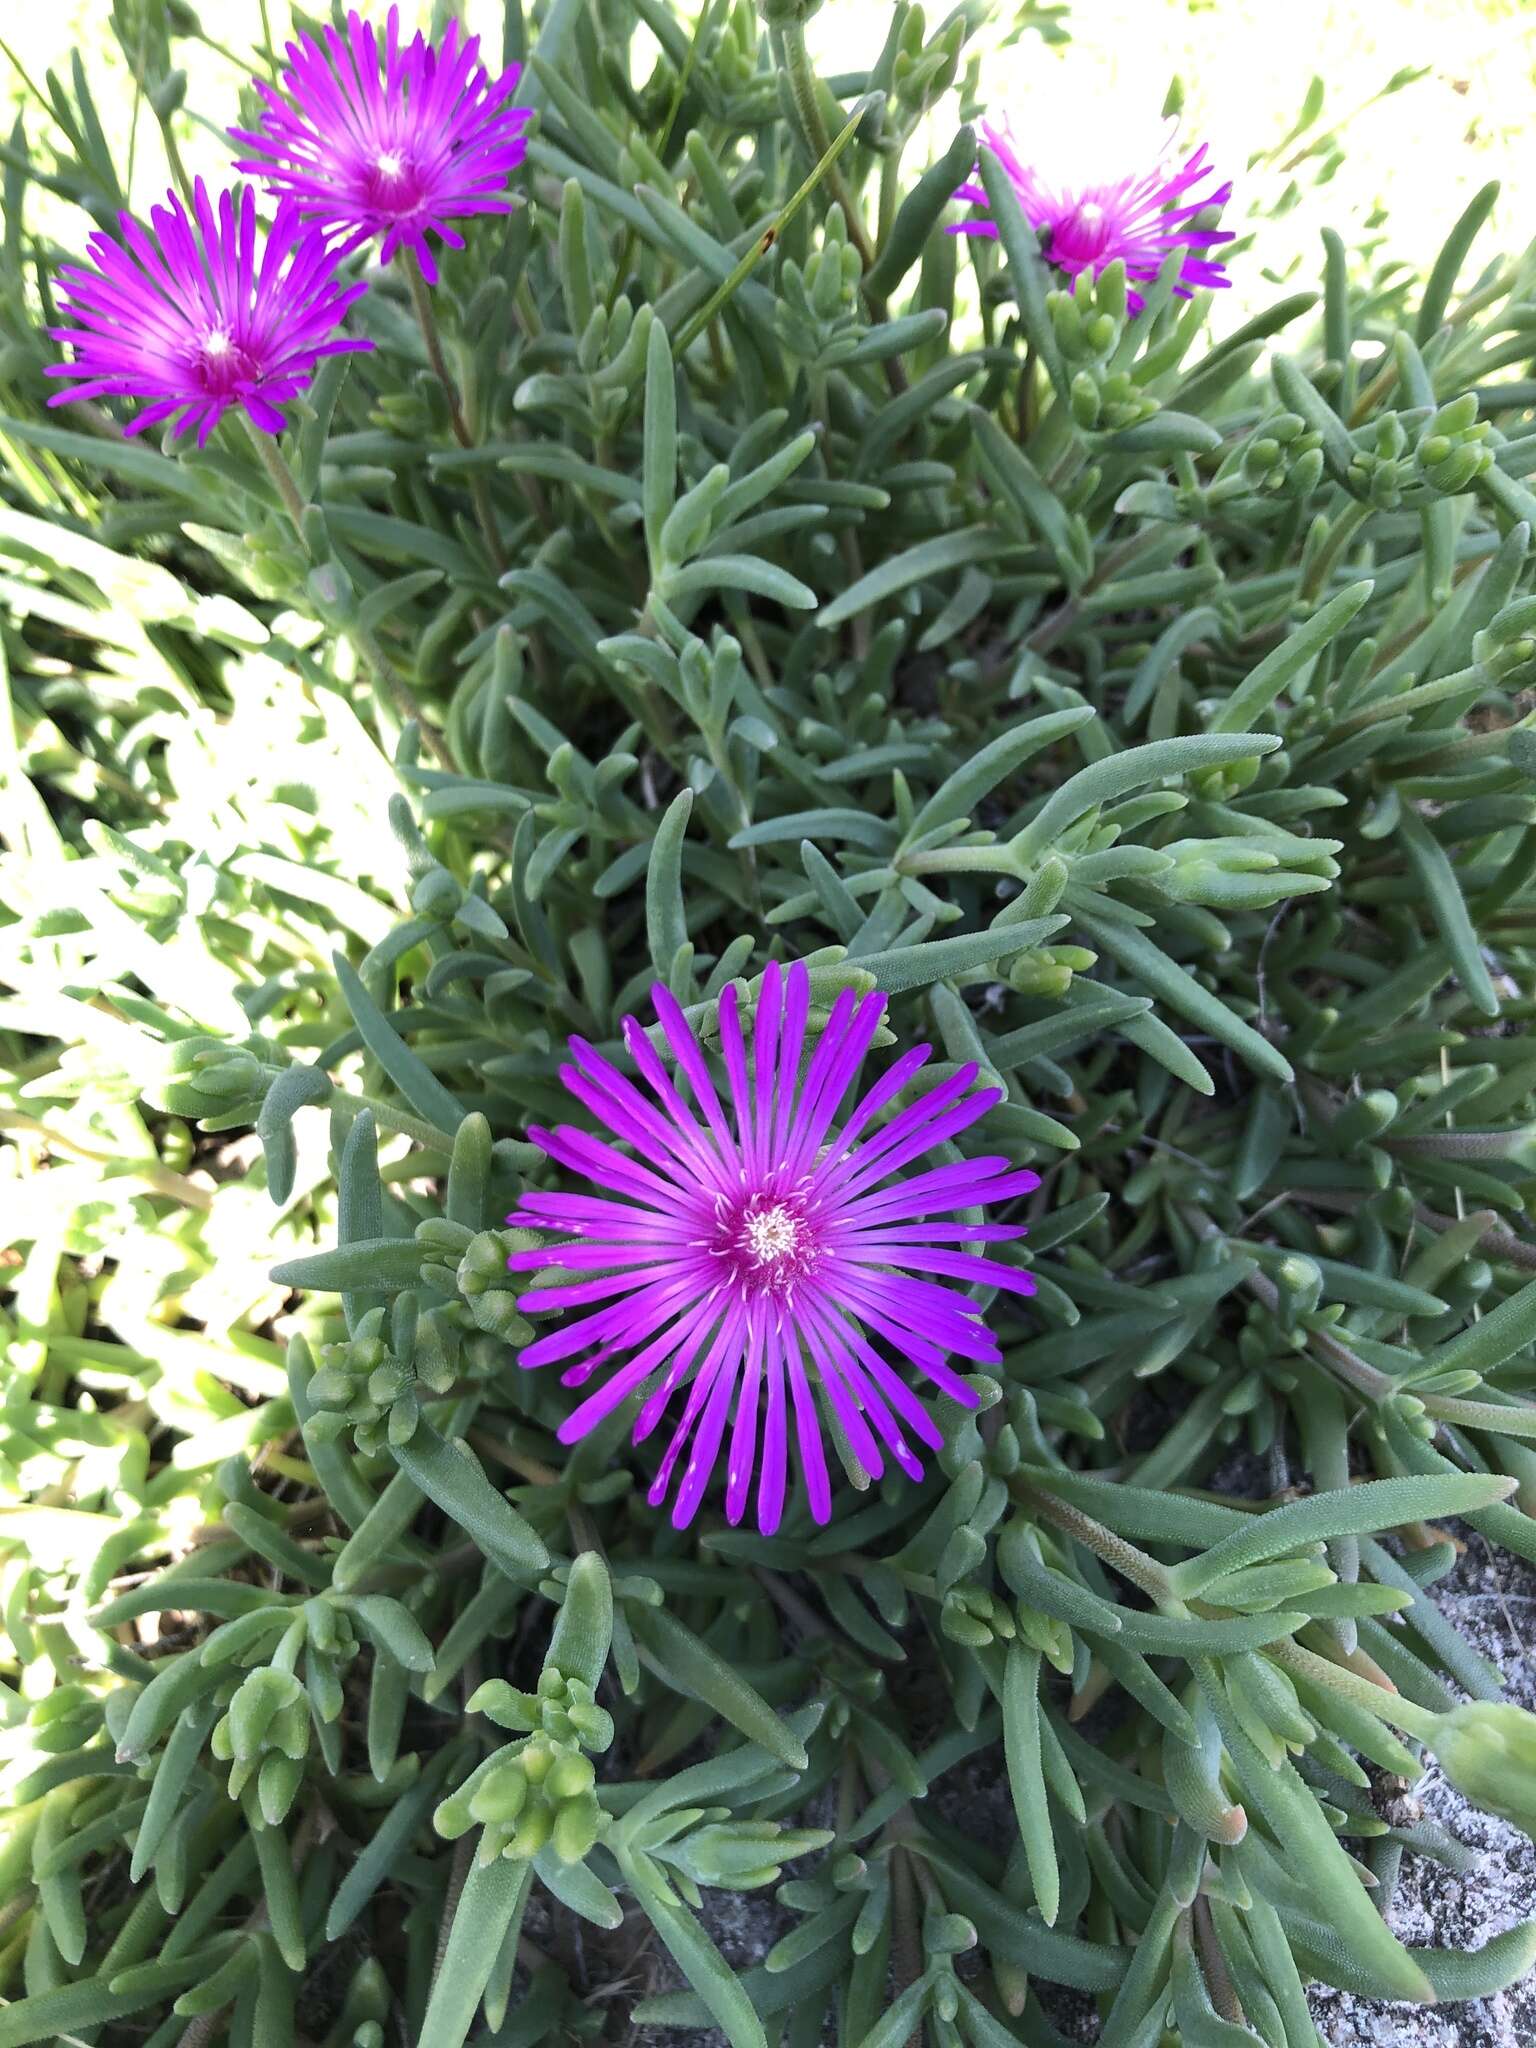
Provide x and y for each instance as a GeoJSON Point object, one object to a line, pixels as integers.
{"type": "Point", "coordinates": [502, 1796]}
{"type": "Point", "coordinates": [1487, 1749]}
{"type": "Point", "coordinates": [436, 894]}
{"type": "Point", "coordinates": [448, 1239]}
{"type": "Point", "coordinates": [495, 1315]}
{"type": "Point", "coordinates": [1083, 397]}
{"type": "Point", "coordinates": [167, 94]}
{"type": "Point", "coordinates": [534, 1830]}
{"type": "Point", "coordinates": [593, 1726]}
{"type": "Point", "coordinates": [1506, 648]}
{"type": "Point", "coordinates": [1284, 456]}
{"type": "Point", "coordinates": [785, 13]}
{"type": "Point", "coordinates": [256, 1705]}
{"type": "Point", "coordinates": [570, 1776]}
{"type": "Point", "coordinates": [277, 1785]}
{"type": "Point", "coordinates": [576, 1828]}
{"type": "Point", "coordinates": [505, 1705]}
{"type": "Point", "coordinates": [484, 1263]}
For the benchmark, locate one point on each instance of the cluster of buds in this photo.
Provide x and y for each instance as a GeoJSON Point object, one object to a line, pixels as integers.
{"type": "Point", "coordinates": [365, 1387]}
{"type": "Point", "coordinates": [1284, 456]}
{"type": "Point", "coordinates": [1382, 466]}
{"type": "Point", "coordinates": [471, 1266]}
{"type": "Point", "coordinates": [374, 1381]}
{"type": "Point", "coordinates": [217, 1084]}
{"type": "Point", "coordinates": [730, 71]}
{"type": "Point", "coordinates": [540, 1792]}
{"type": "Point", "coordinates": [527, 1797]}
{"type": "Point", "coordinates": [976, 1618]}
{"type": "Point", "coordinates": [1506, 648]}
{"type": "Point", "coordinates": [979, 1618]}
{"type": "Point", "coordinates": [1249, 871]}
{"type": "Point", "coordinates": [1089, 325]}
{"type": "Point", "coordinates": [1453, 450]}
{"type": "Point", "coordinates": [264, 1736]}
{"type": "Point", "coordinates": [564, 1709]}
{"type": "Point", "coordinates": [1047, 971]}
{"type": "Point", "coordinates": [817, 315]}
{"type": "Point", "coordinates": [922, 72]}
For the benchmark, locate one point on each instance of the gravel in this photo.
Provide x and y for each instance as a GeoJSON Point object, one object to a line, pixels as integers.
{"type": "Point", "coordinates": [1491, 1597]}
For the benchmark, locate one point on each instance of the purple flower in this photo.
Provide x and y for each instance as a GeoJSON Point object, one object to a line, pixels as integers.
{"type": "Point", "coordinates": [388, 141]}
{"type": "Point", "coordinates": [1137, 219]}
{"type": "Point", "coordinates": [194, 315]}
{"type": "Point", "coordinates": [762, 1259]}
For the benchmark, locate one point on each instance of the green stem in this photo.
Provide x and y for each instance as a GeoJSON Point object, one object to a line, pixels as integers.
{"type": "Point", "coordinates": [283, 479]}
{"type": "Point", "coordinates": [765, 241]}
{"type": "Point", "coordinates": [1120, 1555]}
{"type": "Point", "coordinates": [802, 90]}
{"type": "Point", "coordinates": [1346, 1364]}
{"type": "Point", "coordinates": [426, 320]}
{"type": "Point", "coordinates": [463, 433]}
{"type": "Point", "coordinates": [174, 159]}
{"type": "Point", "coordinates": [387, 679]}
{"type": "Point", "coordinates": [1420, 1722]}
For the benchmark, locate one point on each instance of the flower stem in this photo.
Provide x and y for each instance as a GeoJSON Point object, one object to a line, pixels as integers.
{"type": "Point", "coordinates": [479, 489]}
{"type": "Point", "coordinates": [802, 89]}
{"type": "Point", "coordinates": [387, 680]}
{"type": "Point", "coordinates": [426, 319]}
{"type": "Point", "coordinates": [1113, 1550]}
{"type": "Point", "coordinates": [283, 479]}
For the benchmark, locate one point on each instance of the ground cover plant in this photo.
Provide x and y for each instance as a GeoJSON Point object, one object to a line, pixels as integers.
{"type": "Point", "coordinates": [516, 1417]}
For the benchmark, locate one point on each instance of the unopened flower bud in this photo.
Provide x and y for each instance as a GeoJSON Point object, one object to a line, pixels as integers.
{"type": "Point", "coordinates": [1487, 1749]}
{"type": "Point", "coordinates": [570, 1776]}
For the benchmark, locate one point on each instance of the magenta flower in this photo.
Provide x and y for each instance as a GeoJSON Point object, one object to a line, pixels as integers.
{"type": "Point", "coordinates": [388, 141]}
{"type": "Point", "coordinates": [196, 316]}
{"type": "Point", "coordinates": [752, 1256]}
{"type": "Point", "coordinates": [1137, 219]}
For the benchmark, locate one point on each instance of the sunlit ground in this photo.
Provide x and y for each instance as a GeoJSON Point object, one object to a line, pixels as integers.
{"type": "Point", "coordinates": [1245, 66]}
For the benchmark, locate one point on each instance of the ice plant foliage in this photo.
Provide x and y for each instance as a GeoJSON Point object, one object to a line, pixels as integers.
{"type": "Point", "coordinates": [196, 314]}
{"type": "Point", "coordinates": [760, 1256]}
{"type": "Point", "coordinates": [373, 138]}
{"type": "Point", "coordinates": [1137, 219]}
{"type": "Point", "coordinates": [762, 1244]}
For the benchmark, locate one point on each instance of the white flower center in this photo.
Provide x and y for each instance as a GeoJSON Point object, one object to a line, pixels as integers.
{"type": "Point", "coordinates": [217, 344]}
{"type": "Point", "coordinates": [390, 164]}
{"type": "Point", "coordinates": [771, 1235]}
{"type": "Point", "coordinates": [1090, 213]}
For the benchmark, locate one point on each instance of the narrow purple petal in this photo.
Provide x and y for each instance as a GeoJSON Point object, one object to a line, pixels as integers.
{"type": "Point", "coordinates": [373, 140]}
{"type": "Point", "coordinates": [747, 1262]}
{"type": "Point", "coordinates": [1133, 220]}
{"type": "Point", "coordinates": [180, 314]}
